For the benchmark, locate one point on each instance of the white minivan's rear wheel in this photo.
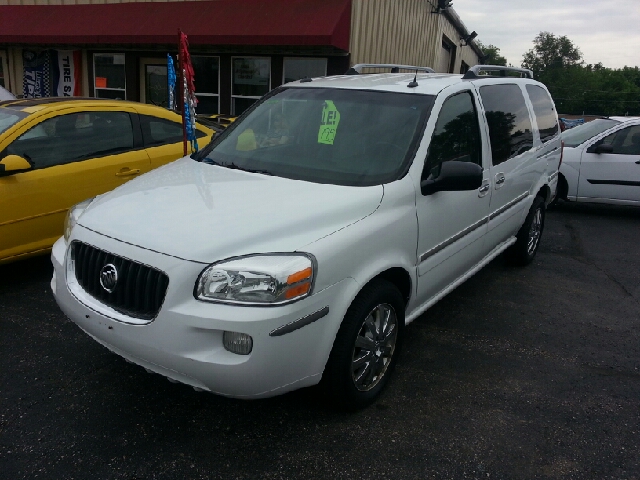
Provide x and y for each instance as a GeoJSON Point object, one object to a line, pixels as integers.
{"type": "Point", "coordinates": [528, 238]}
{"type": "Point", "coordinates": [366, 347]}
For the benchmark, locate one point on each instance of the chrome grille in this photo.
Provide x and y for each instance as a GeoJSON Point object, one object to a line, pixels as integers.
{"type": "Point", "coordinates": [139, 290]}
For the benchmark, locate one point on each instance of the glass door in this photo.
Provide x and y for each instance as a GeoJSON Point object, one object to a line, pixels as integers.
{"type": "Point", "coordinates": [153, 82]}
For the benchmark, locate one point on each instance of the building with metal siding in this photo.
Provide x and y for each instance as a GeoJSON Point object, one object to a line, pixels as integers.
{"type": "Point", "coordinates": [242, 48]}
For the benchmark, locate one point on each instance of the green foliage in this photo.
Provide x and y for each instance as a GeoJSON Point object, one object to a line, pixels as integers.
{"type": "Point", "coordinates": [550, 52]}
{"type": "Point", "coordinates": [491, 55]}
{"type": "Point", "coordinates": [582, 89]}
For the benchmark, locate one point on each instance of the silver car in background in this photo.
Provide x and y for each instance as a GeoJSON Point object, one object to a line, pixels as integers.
{"type": "Point", "coordinates": [601, 162]}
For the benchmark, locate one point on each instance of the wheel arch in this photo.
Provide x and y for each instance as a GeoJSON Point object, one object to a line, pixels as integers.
{"type": "Point", "coordinates": [545, 192]}
{"type": "Point", "coordinates": [398, 277]}
{"type": "Point", "coordinates": [563, 187]}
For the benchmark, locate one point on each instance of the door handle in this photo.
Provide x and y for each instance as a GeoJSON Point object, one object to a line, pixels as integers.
{"type": "Point", "coordinates": [638, 162]}
{"type": "Point", "coordinates": [500, 179]}
{"type": "Point", "coordinates": [482, 191]}
{"type": "Point", "coordinates": [128, 172]}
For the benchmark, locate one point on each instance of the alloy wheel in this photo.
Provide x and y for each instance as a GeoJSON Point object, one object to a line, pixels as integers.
{"type": "Point", "coordinates": [374, 347]}
{"type": "Point", "coordinates": [534, 231]}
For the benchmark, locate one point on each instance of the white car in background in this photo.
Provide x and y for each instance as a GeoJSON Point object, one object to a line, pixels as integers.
{"type": "Point", "coordinates": [601, 162]}
{"type": "Point", "coordinates": [6, 95]}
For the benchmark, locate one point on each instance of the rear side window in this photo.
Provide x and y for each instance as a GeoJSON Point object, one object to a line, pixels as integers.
{"type": "Point", "coordinates": [159, 131]}
{"type": "Point", "coordinates": [456, 136]}
{"type": "Point", "coordinates": [508, 119]}
{"type": "Point", "coordinates": [546, 116]}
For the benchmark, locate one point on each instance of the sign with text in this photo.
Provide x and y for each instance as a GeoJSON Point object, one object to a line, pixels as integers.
{"type": "Point", "coordinates": [36, 77]}
{"type": "Point", "coordinates": [67, 69]}
{"type": "Point", "coordinates": [251, 71]}
{"type": "Point", "coordinates": [329, 123]}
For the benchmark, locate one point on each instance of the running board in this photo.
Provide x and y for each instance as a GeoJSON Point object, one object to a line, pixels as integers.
{"type": "Point", "coordinates": [452, 286]}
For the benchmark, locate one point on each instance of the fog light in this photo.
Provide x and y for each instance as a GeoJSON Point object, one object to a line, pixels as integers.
{"type": "Point", "coordinates": [239, 343]}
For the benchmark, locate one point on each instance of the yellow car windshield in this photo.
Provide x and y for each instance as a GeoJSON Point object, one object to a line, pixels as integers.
{"type": "Point", "coordinates": [9, 117]}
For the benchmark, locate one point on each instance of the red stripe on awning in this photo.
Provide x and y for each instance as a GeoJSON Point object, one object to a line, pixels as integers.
{"type": "Point", "coordinates": [211, 22]}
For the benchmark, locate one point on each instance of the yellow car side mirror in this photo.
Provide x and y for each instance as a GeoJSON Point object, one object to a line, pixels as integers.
{"type": "Point", "coordinates": [13, 164]}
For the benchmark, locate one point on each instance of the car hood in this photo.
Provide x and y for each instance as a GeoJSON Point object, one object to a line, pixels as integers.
{"type": "Point", "coordinates": [207, 213]}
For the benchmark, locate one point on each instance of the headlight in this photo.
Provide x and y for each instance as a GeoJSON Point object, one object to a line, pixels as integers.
{"type": "Point", "coordinates": [271, 279]}
{"type": "Point", "coordinates": [72, 216]}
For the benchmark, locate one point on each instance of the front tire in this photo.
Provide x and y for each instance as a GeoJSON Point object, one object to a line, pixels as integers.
{"type": "Point", "coordinates": [528, 238]}
{"type": "Point", "coordinates": [366, 347]}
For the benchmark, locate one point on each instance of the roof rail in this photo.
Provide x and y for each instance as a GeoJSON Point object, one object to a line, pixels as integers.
{"type": "Point", "coordinates": [474, 72]}
{"type": "Point", "coordinates": [357, 69]}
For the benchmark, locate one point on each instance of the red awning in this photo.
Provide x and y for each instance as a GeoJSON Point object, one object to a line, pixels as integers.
{"type": "Point", "coordinates": [211, 22]}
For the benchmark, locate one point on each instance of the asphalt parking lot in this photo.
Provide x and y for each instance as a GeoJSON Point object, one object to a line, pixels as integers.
{"type": "Point", "coordinates": [519, 373]}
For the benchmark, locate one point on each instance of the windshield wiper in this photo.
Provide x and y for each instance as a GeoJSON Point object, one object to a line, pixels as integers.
{"type": "Point", "coordinates": [233, 166]}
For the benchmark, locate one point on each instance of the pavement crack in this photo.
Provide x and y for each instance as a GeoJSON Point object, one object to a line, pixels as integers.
{"type": "Point", "coordinates": [580, 256]}
{"type": "Point", "coordinates": [611, 371]}
{"type": "Point", "coordinates": [575, 238]}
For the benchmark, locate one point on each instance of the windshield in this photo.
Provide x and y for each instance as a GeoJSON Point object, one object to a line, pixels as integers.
{"type": "Point", "coordinates": [344, 137]}
{"type": "Point", "coordinates": [582, 133]}
{"type": "Point", "coordinates": [9, 118]}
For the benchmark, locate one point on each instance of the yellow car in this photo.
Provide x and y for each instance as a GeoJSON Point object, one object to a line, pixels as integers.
{"type": "Point", "coordinates": [56, 152]}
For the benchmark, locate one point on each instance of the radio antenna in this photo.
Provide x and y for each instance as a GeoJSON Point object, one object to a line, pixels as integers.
{"type": "Point", "coordinates": [414, 84]}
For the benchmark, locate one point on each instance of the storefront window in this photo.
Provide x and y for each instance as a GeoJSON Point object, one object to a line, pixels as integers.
{"type": "Point", "coordinates": [251, 80]}
{"type": "Point", "coordinates": [299, 68]}
{"type": "Point", "coordinates": [109, 76]}
{"type": "Point", "coordinates": [207, 72]}
{"type": "Point", "coordinates": [3, 71]}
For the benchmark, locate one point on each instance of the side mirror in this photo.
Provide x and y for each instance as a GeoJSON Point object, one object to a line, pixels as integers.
{"type": "Point", "coordinates": [454, 176]}
{"type": "Point", "coordinates": [604, 149]}
{"type": "Point", "coordinates": [13, 164]}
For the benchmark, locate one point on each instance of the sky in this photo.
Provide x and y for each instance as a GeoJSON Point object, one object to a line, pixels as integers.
{"type": "Point", "coordinates": [605, 31]}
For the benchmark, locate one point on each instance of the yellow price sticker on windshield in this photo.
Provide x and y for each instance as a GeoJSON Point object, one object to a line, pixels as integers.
{"type": "Point", "coordinates": [329, 124]}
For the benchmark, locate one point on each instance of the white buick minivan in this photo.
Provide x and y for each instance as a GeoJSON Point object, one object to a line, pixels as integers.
{"type": "Point", "coordinates": [295, 248]}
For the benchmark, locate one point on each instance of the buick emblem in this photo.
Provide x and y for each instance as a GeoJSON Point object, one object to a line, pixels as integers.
{"type": "Point", "coordinates": [109, 277]}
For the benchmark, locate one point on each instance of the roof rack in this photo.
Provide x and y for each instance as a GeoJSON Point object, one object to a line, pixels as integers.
{"type": "Point", "coordinates": [357, 69]}
{"type": "Point", "coordinates": [474, 72]}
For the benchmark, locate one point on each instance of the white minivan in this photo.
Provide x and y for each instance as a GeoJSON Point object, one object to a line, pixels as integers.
{"type": "Point", "coordinates": [295, 248]}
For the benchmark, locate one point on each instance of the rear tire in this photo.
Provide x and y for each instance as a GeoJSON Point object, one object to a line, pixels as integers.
{"type": "Point", "coordinates": [528, 238]}
{"type": "Point", "coordinates": [366, 347]}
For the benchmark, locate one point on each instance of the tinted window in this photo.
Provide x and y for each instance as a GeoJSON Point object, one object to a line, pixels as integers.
{"type": "Point", "coordinates": [9, 117]}
{"type": "Point", "coordinates": [456, 136]}
{"type": "Point", "coordinates": [508, 120]}
{"type": "Point", "coordinates": [158, 131]}
{"type": "Point", "coordinates": [325, 135]}
{"type": "Point", "coordinates": [625, 141]}
{"type": "Point", "coordinates": [74, 137]}
{"type": "Point", "coordinates": [546, 116]}
{"type": "Point", "coordinates": [582, 133]}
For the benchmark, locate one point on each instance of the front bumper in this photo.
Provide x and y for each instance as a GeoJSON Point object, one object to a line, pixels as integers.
{"type": "Point", "coordinates": [184, 341]}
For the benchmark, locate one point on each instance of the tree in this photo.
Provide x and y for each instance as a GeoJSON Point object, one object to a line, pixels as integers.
{"type": "Point", "coordinates": [550, 52]}
{"type": "Point", "coordinates": [491, 55]}
{"type": "Point", "coordinates": [582, 89]}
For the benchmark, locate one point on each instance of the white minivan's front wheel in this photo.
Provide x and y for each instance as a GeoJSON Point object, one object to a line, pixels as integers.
{"type": "Point", "coordinates": [528, 238]}
{"type": "Point", "coordinates": [366, 347]}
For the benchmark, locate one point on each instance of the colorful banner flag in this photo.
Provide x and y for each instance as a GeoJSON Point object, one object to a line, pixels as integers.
{"type": "Point", "coordinates": [67, 73]}
{"type": "Point", "coordinates": [36, 78]}
{"type": "Point", "coordinates": [189, 90]}
{"type": "Point", "coordinates": [171, 82]}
